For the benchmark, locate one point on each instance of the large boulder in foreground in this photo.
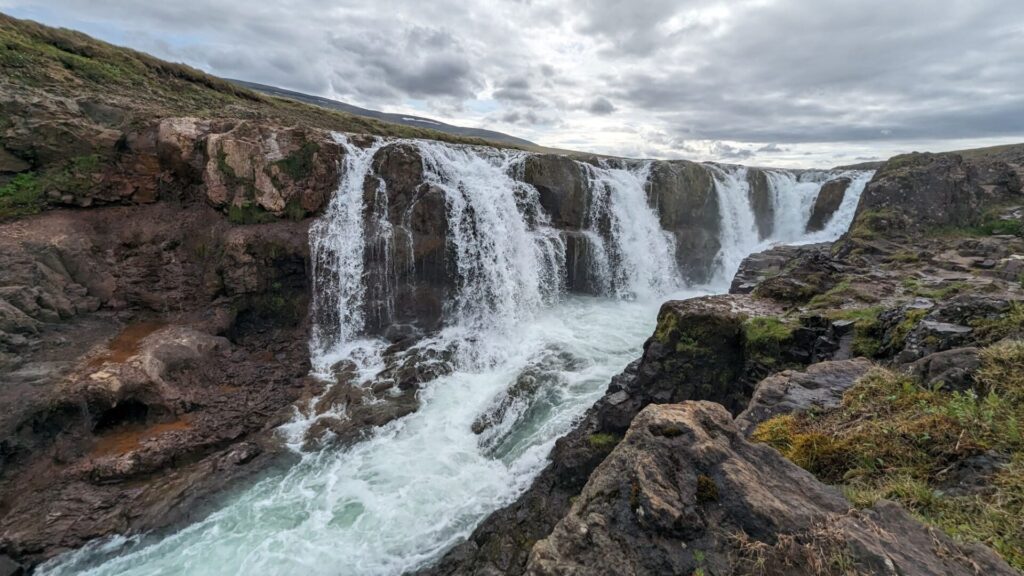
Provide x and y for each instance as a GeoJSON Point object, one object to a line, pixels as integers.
{"type": "Point", "coordinates": [686, 493]}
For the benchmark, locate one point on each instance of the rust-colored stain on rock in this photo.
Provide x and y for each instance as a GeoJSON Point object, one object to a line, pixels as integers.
{"type": "Point", "coordinates": [130, 437]}
{"type": "Point", "coordinates": [126, 343]}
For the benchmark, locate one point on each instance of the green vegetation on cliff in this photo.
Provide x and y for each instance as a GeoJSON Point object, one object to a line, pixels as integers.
{"type": "Point", "coordinates": [895, 439]}
{"type": "Point", "coordinates": [21, 196]}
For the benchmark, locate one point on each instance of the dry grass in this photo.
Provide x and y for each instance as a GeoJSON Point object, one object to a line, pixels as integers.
{"type": "Point", "coordinates": [892, 438]}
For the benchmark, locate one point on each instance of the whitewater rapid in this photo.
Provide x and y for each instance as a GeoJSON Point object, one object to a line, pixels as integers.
{"type": "Point", "coordinates": [419, 485]}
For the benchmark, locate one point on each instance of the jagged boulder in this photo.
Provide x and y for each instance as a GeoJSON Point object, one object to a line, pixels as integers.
{"type": "Point", "coordinates": [830, 197]}
{"type": "Point", "coordinates": [685, 492]}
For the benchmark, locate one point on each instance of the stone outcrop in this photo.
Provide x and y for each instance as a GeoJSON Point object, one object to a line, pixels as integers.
{"type": "Point", "coordinates": [927, 191]}
{"type": "Point", "coordinates": [150, 345]}
{"type": "Point", "coordinates": [685, 492]}
{"type": "Point", "coordinates": [758, 267]}
{"type": "Point", "coordinates": [289, 171]}
{"type": "Point", "coordinates": [830, 197]}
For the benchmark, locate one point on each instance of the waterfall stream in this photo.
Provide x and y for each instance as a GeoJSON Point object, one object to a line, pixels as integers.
{"type": "Point", "coordinates": [420, 484]}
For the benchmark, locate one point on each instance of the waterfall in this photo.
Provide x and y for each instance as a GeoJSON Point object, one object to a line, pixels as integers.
{"type": "Point", "coordinates": [840, 221]}
{"type": "Point", "coordinates": [738, 227]}
{"type": "Point", "coordinates": [792, 195]}
{"type": "Point", "coordinates": [337, 245]}
{"type": "Point", "coordinates": [631, 255]}
{"type": "Point", "coordinates": [506, 267]}
{"type": "Point", "coordinates": [525, 354]}
{"type": "Point", "coordinates": [793, 199]}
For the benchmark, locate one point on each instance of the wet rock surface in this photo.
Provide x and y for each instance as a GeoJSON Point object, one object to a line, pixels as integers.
{"type": "Point", "coordinates": [830, 197]}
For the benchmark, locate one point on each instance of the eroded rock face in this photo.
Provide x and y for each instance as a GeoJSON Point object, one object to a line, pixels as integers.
{"type": "Point", "coordinates": [830, 197]}
{"type": "Point", "coordinates": [275, 169]}
{"type": "Point", "coordinates": [684, 195]}
{"type": "Point", "coordinates": [149, 345]}
{"type": "Point", "coordinates": [408, 264]}
{"type": "Point", "coordinates": [685, 491]}
{"type": "Point", "coordinates": [562, 187]}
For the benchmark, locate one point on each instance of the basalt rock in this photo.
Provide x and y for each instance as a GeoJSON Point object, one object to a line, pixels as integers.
{"type": "Point", "coordinates": [830, 197]}
{"type": "Point", "coordinates": [687, 203]}
{"type": "Point", "coordinates": [810, 271]}
{"type": "Point", "coordinates": [685, 492]}
{"type": "Point", "coordinates": [562, 187]}
{"type": "Point", "coordinates": [760, 197]}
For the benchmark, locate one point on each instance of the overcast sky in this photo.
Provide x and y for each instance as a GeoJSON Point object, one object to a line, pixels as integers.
{"type": "Point", "coordinates": [770, 82]}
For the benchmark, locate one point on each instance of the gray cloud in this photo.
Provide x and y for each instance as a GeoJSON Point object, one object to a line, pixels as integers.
{"type": "Point", "coordinates": [659, 77]}
{"type": "Point", "coordinates": [601, 106]}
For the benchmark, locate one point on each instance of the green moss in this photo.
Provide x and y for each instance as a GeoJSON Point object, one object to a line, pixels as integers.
{"type": "Point", "coordinates": [21, 196]}
{"type": "Point", "coordinates": [942, 292]}
{"type": "Point", "coordinates": [839, 295]}
{"type": "Point", "coordinates": [603, 441]}
{"type": "Point", "coordinates": [765, 338]}
{"type": "Point", "coordinates": [869, 223]}
{"type": "Point", "coordinates": [892, 438]}
{"type": "Point", "coordinates": [910, 321]}
{"type": "Point", "coordinates": [294, 211]}
{"type": "Point", "coordinates": [299, 164]}
{"type": "Point", "coordinates": [905, 256]}
{"type": "Point", "coordinates": [667, 325]}
{"type": "Point", "coordinates": [991, 330]}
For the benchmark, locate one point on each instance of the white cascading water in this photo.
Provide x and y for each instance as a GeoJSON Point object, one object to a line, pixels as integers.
{"type": "Point", "coordinates": [738, 227]}
{"type": "Point", "coordinates": [792, 196]}
{"type": "Point", "coordinates": [631, 255]}
{"type": "Point", "coordinates": [419, 485]}
{"type": "Point", "coordinates": [337, 244]}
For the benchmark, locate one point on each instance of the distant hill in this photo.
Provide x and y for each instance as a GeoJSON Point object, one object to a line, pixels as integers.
{"type": "Point", "coordinates": [404, 119]}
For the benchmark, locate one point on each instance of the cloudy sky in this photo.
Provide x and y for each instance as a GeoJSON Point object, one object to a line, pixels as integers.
{"type": "Point", "coordinates": [771, 82]}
